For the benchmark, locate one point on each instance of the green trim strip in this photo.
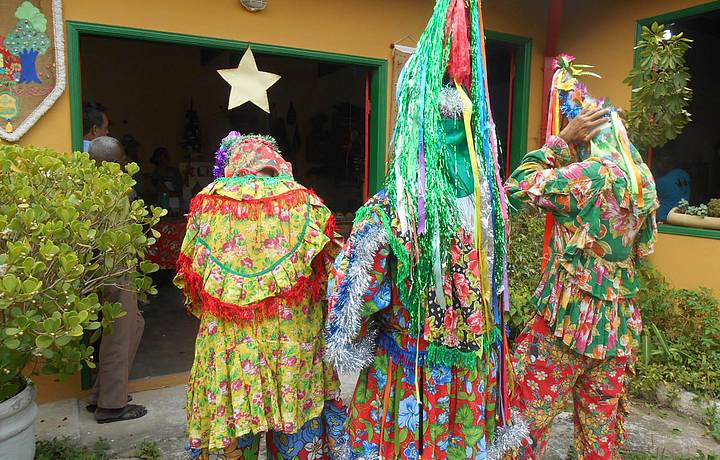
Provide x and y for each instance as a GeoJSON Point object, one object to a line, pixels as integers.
{"type": "Point", "coordinates": [241, 180]}
{"type": "Point", "coordinates": [667, 18]}
{"type": "Point", "coordinates": [272, 267]}
{"type": "Point", "coordinates": [689, 231]}
{"type": "Point", "coordinates": [378, 126]}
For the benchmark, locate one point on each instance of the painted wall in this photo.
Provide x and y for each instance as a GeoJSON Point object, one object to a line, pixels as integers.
{"type": "Point", "coordinates": [356, 27]}
{"type": "Point", "coordinates": [688, 262]}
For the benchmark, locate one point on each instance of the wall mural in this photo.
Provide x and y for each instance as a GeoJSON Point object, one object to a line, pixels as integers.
{"type": "Point", "coordinates": [32, 63]}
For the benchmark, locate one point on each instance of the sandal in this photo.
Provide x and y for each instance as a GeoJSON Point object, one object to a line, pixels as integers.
{"type": "Point", "coordinates": [93, 407]}
{"type": "Point", "coordinates": [129, 412]}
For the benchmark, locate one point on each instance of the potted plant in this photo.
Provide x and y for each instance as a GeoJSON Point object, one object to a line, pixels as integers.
{"type": "Point", "coordinates": [66, 232]}
{"type": "Point", "coordinates": [703, 216]}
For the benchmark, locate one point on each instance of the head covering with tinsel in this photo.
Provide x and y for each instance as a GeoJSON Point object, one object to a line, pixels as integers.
{"type": "Point", "coordinates": [443, 204]}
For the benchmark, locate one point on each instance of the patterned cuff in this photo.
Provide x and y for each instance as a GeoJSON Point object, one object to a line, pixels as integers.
{"type": "Point", "coordinates": [561, 152]}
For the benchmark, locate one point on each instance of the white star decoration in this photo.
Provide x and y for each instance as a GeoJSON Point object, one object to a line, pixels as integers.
{"type": "Point", "coordinates": [248, 84]}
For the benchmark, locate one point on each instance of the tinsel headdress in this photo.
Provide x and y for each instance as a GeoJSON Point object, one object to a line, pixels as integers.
{"type": "Point", "coordinates": [446, 78]}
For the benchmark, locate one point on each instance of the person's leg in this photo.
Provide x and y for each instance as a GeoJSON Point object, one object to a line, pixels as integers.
{"type": "Point", "coordinates": [137, 330]}
{"type": "Point", "coordinates": [114, 370]}
{"type": "Point", "coordinates": [546, 372]}
{"type": "Point", "coordinates": [597, 395]}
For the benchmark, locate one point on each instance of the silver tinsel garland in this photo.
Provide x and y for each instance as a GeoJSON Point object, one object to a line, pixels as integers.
{"type": "Point", "coordinates": [344, 351]}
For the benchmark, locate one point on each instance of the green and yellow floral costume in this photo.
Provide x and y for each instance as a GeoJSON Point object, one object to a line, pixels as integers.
{"type": "Point", "coordinates": [254, 270]}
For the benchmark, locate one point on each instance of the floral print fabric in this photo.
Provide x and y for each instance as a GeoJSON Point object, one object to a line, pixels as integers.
{"type": "Point", "coordinates": [549, 374]}
{"type": "Point", "coordinates": [405, 405]}
{"type": "Point", "coordinates": [253, 267]}
{"type": "Point", "coordinates": [251, 239]}
{"type": "Point", "coordinates": [320, 438]}
{"type": "Point", "coordinates": [588, 287]}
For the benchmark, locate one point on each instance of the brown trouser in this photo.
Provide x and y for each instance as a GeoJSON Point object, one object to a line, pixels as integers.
{"type": "Point", "coordinates": [117, 352]}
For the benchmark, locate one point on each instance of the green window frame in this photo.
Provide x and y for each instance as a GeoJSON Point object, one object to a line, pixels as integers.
{"type": "Point", "coordinates": [665, 19]}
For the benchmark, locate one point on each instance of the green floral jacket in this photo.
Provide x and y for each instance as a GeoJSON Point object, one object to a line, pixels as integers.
{"type": "Point", "coordinates": [587, 291]}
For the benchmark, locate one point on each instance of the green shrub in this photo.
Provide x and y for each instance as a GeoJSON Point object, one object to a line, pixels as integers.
{"type": "Point", "coordinates": [66, 232]}
{"type": "Point", "coordinates": [67, 449]}
{"type": "Point", "coordinates": [680, 343]}
{"type": "Point", "coordinates": [524, 255]}
{"type": "Point", "coordinates": [660, 94]}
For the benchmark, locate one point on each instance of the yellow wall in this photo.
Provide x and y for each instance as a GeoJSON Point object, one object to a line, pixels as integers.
{"type": "Point", "coordinates": [604, 37]}
{"type": "Point", "coordinates": [688, 261]}
{"type": "Point", "coordinates": [356, 27]}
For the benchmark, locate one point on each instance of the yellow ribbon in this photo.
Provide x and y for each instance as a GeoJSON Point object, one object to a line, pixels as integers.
{"type": "Point", "coordinates": [482, 254]}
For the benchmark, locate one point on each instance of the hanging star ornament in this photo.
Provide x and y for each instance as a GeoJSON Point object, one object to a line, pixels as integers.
{"type": "Point", "coordinates": [248, 84]}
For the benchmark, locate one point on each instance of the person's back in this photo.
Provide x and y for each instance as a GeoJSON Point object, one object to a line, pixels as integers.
{"type": "Point", "coordinates": [581, 343]}
{"type": "Point", "coordinates": [109, 399]}
{"type": "Point", "coordinates": [253, 267]}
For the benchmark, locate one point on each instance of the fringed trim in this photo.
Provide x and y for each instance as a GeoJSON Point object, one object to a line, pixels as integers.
{"type": "Point", "coordinates": [509, 437]}
{"type": "Point", "coordinates": [439, 355]}
{"type": "Point", "coordinates": [193, 287]}
{"type": "Point", "coordinates": [345, 323]}
{"type": "Point", "coordinates": [267, 308]}
{"type": "Point", "coordinates": [405, 358]}
{"type": "Point", "coordinates": [250, 208]}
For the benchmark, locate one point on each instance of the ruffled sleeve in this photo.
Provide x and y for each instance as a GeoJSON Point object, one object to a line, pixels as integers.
{"type": "Point", "coordinates": [647, 237]}
{"type": "Point", "coordinates": [547, 179]}
{"type": "Point", "coordinates": [359, 287]}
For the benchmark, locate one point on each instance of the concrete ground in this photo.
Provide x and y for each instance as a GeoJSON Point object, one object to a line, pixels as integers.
{"type": "Point", "coordinates": [651, 430]}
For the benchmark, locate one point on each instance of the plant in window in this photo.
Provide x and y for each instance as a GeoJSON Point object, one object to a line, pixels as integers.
{"type": "Point", "coordinates": [660, 94]}
{"type": "Point", "coordinates": [714, 208]}
{"type": "Point", "coordinates": [702, 216]}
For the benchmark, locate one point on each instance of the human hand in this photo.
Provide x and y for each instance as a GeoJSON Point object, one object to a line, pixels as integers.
{"type": "Point", "coordinates": [585, 126]}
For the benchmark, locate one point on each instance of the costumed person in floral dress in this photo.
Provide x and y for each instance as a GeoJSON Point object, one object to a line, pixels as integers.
{"type": "Point", "coordinates": [600, 198]}
{"type": "Point", "coordinates": [254, 267]}
{"type": "Point", "coordinates": [418, 299]}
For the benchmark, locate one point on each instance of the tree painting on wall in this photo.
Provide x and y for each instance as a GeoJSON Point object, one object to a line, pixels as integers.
{"type": "Point", "coordinates": [28, 40]}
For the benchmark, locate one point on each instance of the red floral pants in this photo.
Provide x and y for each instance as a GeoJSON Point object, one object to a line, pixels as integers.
{"type": "Point", "coordinates": [549, 374]}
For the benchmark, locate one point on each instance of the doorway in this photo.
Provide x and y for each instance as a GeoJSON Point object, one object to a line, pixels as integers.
{"type": "Point", "coordinates": [165, 99]}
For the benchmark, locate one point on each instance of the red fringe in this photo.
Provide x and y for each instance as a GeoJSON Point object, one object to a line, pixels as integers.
{"type": "Point", "coordinates": [459, 65]}
{"type": "Point", "coordinates": [249, 208]}
{"type": "Point", "coordinates": [267, 308]}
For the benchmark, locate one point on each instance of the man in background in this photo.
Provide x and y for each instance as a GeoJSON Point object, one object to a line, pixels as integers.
{"type": "Point", "coordinates": [110, 398]}
{"type": "Point", "coordinates": [95, 123]}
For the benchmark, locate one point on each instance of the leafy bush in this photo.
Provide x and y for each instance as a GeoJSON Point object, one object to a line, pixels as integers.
{"type": "Point", "coordinates": [681, 339]}
{"type": "Point", "coordinates": [524, 255]}
{"type": "Point", "coordinates": [67, 449]}
{"type": "Point", "coordinates": [66, 232]}
{"type": "Point", "coordinates": [660, 94]}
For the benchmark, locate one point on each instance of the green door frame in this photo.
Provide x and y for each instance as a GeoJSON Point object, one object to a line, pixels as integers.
{"type": "Point", "coordinates": [521, 92]}
{"type": "Point", "coordinates": [378, 84]}
{"type": "Point", "coordinates": [378, 79]}
{"type": "Point", "coordinates": [666, 19]}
